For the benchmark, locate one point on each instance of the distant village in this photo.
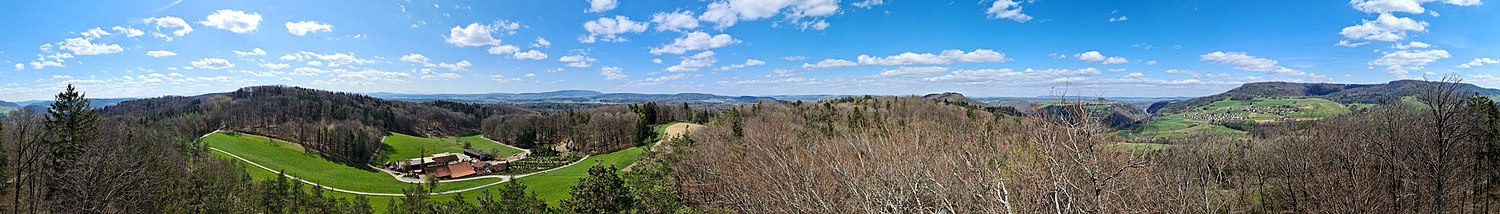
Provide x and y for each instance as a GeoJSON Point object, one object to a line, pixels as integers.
{"type": "Point", "coordinates": [1280, 111]}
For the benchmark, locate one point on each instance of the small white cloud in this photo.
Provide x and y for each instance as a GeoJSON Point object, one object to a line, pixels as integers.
{"type": "Point", "coordinates": [232, 20]}
{"type": "Point", "coordinates": [656, 60]}
{"type": "Point", "coordinates": [912, 71]}
{"type": "Point", "coordinates": [1387, 28]}
{"type": "Point", "coordinates": [1346, 43]}
{"type": "Point", "coordinates": [1411, 45]}
{"type": "Point", "coordinates": [503, 49]}
{"type": "Point", "coordinates": [541, 43]}
{"type": "Point", "coordinates": [20, 66]}
{"type": "Point", "coordinates": [695, 41]}
{"type": "Point", "coordinates": [794, 58]}
{"type": "Point", "coordinates": [612, 73]}
{"type": "Point", "coordinates": [168, 22]}
{"type": "Point", "coordinates": [695, 62]}
{"type": "Point", "coordinates": [1121, 18]}
{"type": "Point", "coordinates": [674, 21]}
{"type": "Point", "coordinates": [1399, 62]}
{"type": "Point", "coordinates": [128, 31]}
{"type": "Point", "coordinates": [1474, 63]}
{"type": "Point", "coordinates": [530, 54]}
{"type": "Point", "coordinates": [302, 28]}
{"type": "Point", "coordinates": [1007, 9]}
{"type": "Point", "coordinates": [275, 66]}
{"type": "Point", "coordinates": [213, 63]}
{"type": "Point", "coordinates": [748, 63]}
{"type": "Point", "coordinates": [596, 6]}
{"type": "Point", "coordinates": [1245, 62]}
{"type": "Point", "coordinates": [94, 33]}
{"type": "Point", "coordinates": [608, 29]}
{"type": "Point", "coordinates": [252, 52]}
{"type": "Point", "coordinates": [160, 53]}
{"type": "Point", "coordinates": [577, 60]}
{"type": "Point", "coordinates": [829, 63]}
{"type": "Point", "coordinates": [1405, 6]}
{"type": "Point", "coordinates": [472, 36]}
{"type": "Point", "coordinates": [84, 46]}
{"type": "Point", "coordinates": [459, 66]}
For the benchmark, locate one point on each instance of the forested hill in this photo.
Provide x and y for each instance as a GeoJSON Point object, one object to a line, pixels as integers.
{"type": "Point", "coordinates": [344, 126]}
{"type": "Point", "coordinates": [1343, 93]}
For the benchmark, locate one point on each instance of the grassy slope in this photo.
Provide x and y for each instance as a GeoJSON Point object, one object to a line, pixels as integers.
{"type": "Point", "coordinates": [1176, 125]}
{"type": "Point", "coordinates": [277, 154]}
{"type": "Point", "coordinates": [401, 147]}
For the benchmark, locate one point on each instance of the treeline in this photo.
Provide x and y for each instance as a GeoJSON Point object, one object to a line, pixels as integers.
{"type": "Point", "coordinates": [344, 127]}
{"type": "Point", "coordinates": [589, 131]}
{"type": "Point", "coordinates": [914, 155]}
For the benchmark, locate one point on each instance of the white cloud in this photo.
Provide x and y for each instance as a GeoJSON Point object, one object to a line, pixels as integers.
{"type": "Point", "coordinates": [332, 60]}
{"type": "Point", "coordinates": [83, 46]}
{"type": "Point", "coordinates": [609, 28]}
{"type": "Point", "coordinates": [1384, 28]}
{"type": "Point", "coordinates": [275, 66]}
{"type": "Point", "coordinates": [695, 62]}
{"type": "Point", "coordinates": [474, 35]}
{"type": "Point", "coordinates": [1245, 62]}
{"type": "Point", "coordinates": [867, 4]}
{"type": "Point", "coordinates": [1009, 75]}
{"type": "Point", "coordinates": [416, 58]}
{"type": "Point", "coordinates": [252, 52]}
{"type": "Point", "coordinates": [128, 31]}
{"type": "Point", "coordinates": [45, 64]}
{"type": "Point", "coordinates": [695, 41]}
{"type": "Point", "coordinates": [1346, 43]}
{"type": "Point", "coordinates": [1475, 63]}
{"type": "Point", "coordinates": [1007, 9]}
{"type": "Point", "coordinates": [460, 65]}
{"type": "Point", "coordinates": [909, 58]}
{"type": "Point", "coordinates": [531, 55]}
{"type": "Point", "coordinates": [213, 63]}
{"type": "Point", "coordinates": [94, 33]}
{"type": "Point", "coordinates": [1411, 45]}
{"type": "Point", "coordinates": [302, 28]}
{"type": "Point", "coordinates": [1152, 62]}
{"type": "Point", "coordinates": [904, 71]}
{"type": "Point", "coordinates": [674, 21]}
{"type": "Point", "coordinates": [503, 49]}
{"type": "Point", "coordinates": [1399, 62]}
{"type": "Point", "coordinates": [666, 78]}
{"type": "Point", "coordinates": [160, 53]}
{"type": "Point", "coordinates": [232, 20]}
{"type": "Point", "coordinates": [541, 43]}
{"type": "Point", "coordinates": [20, 66]}
{"type": "Point", "coordinates": [1095, 56]}
{"type": "Point", "coordinates": [748, 63]}
{"type": "Point", "coordinates": [794, 58]}
{"type": "Point", "coordinates": [1406, 6]}
{"type": "Point", "coordinates": [169, 22]}
{"type": "Point", "coordinates": [725, 13]}
{"type": "Point", "coordinates": [577, 60]}
{"type": "Point", "coordinates": [596, 6]}
{"type": "Point", "coordinates": [1121, 18]}
{"type": "Point", "coordinates": [611, 73]}
{"type": "Point", "coordinates": [829, 63]}
{"type": "Point", "coordinates": [656, 60]}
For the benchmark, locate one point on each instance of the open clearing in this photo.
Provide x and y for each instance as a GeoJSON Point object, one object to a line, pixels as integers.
{"type": "Point", "coordinates": [401, 146]}
{"type": "Point", "coordinates": [293, 159]}
{"type": "Point", "coordinates": [1180, 125]}
{"type": "Point", "coordinates": [673, 131]}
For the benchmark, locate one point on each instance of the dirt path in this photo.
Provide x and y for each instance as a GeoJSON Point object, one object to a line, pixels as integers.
{"type": "Point", "coordinates": [672, 132]}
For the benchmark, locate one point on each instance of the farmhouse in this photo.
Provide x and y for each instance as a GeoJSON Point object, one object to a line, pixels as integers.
{"type": "Point", "coordinates": [448, 165]}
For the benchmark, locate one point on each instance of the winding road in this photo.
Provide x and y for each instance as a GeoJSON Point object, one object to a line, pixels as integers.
{"type": "Point", "coordinates": [503, 178]}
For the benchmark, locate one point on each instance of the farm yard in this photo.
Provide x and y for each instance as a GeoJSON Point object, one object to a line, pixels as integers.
{"type": "Point", "coordinates": [1202, 120]}
{"type": "Point", "coordinates": [295, 161]}
{"type": "Point", "coordinates": [401, 146]}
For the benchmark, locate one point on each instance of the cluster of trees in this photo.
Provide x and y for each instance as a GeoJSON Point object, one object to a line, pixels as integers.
{"type": "Point", "coordinates": [892, 154]}
{"type": "Point", "coordinates": [589, 131]}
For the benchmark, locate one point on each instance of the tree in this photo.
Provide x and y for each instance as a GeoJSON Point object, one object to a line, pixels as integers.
{"type": "Point", "coordinates": [513, 198]}
{"type": "Point", "coordinates": [602, 192]}
{"type": "Point", "coordinates": [74, 125]}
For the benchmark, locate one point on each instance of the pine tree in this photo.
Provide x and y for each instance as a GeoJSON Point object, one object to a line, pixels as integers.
{"type": "Point", "coordinates": [602, 192]}
{"type": "Point", "coordinates": [74, 125]}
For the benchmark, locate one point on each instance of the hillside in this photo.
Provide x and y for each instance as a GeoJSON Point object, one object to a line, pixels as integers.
{"type": "Point", "coordinates": [568, 99]}
{"type": "Point", "coordinates": [1116, 115]}
{"type": "Point", "coordinates": [7, 107]}
{"type": "Point", "coordinates": [1342, 93]}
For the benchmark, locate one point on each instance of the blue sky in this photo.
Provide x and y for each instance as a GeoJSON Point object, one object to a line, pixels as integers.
{"type": "Point", "coordinates": [738, 47]}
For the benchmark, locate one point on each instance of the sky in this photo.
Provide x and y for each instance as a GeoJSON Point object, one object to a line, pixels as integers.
{"type": "Point", "coordinates": [737, 47]}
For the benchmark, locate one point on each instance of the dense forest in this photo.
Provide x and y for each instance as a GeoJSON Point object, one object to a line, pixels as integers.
{"type": "Point", "coordinates": [912, 155]}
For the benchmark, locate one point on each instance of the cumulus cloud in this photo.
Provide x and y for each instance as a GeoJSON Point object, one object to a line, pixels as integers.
{"type": "Point", "coordinates": [128, 31]}
{"type": "Point", "coordinates": [665, 78]}
{"type": "Point", "coordinates": [1387, 28]}
{"type": "Point", "coordinates": [302, 28]}
{"type": "Point", "coordinates": [1346, 43]}
{"type": "Point", "coordinates": [1411, 45]}
{"type": "Point", "coordinates": [695, 62]}
{"type": "Point", "coordinates": [160, 53]}
{"type": "Point", "coordinates": [232, 20]}
{"type": "Point", "coordinates": [829, 63]}
{"type": "Point", "coordinates": [904, 71]}
{"type": "Point", "coordinates": [472, 36]}
{"type": "Point", "coordinates": [596, 6]}
{"type": "Point", "coordinates": [748, 63]}
{"type": "Point", "coordinates": [416, 58]}
{"type": "Point", "coordinates": [794, 58]}
{"type": "Point", "coordinates": [1095, 56]}
{"type": "Point", "coordinates": [577, 60]}
{"type": "Point", "coordinates": [674, 21]}
{"type": "Point", "coordinates": [695, 41]}
{"type": "Point", "coordinates": [330, 60]}
{"type": "Point", "coordinates": [1405, 6]}
{"type": "Point", "coordinates": [531, 55]}
{"type": "Point", "coordinates": [609, 28]}
{"type": "Point", "coordinates": [725, 13]}
{"type": "Point", "coordinates": [541, 43]}
{"type": "Point", "coordinates": [275, 66]}
{"type": "Point", "coordinates": [612, 73]}
{"type": "Point", "coordinates": [20, 66]}
{"type": "Point", "coordinates": [1009, 75]}
{"type": "Point", "coordinates": [168, 22]}
{"type": "Point", "coordinates": [459, 66]}
{"type": "Point", "coordinates": [1474, 63]}
{"type": "Point", "coordinates": [212, 63]}
{"type": "Point", "coordinates": [1117, 19]}
{"type": "Point", "coordinates": [85, 46]}
{"type": "Point", "coordinates": [1400, 62]}
{"type": "Point", "coordinates": [94, 33]}
{"type": "Point", "coordinates": [1245, 62]}
{"type": "Point", "coordinates": [1007, 9]}
{"type": "Point", "coordinates": [503, 49]}
{"type": "Point", "coordinates": [252, 52]}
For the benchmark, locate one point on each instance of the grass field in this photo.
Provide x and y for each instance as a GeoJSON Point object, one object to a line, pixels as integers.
{"type": "Point", "coordinates": [292, 159]}
{"type": "Point", "coordinates": [551, 186]}
{"type": "Point", "coordinates": [401, 146]}
{"type": "Point", "coordinates": [1179, 125]}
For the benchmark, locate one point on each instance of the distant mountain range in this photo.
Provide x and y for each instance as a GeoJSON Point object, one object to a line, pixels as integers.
{"type": "Point", "coordinates": [575, 96]}
{"type": "Point", "coordinates": [1343, 93]}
